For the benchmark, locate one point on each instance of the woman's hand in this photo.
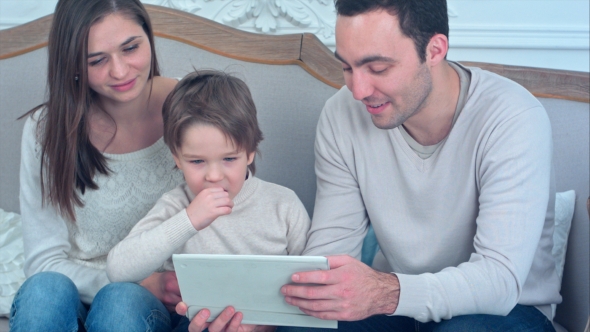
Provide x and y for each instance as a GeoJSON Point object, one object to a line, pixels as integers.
{"type": "Point", "coordinates": [165, 287]}
{"type": "Point", "coordinates": [228, 321]}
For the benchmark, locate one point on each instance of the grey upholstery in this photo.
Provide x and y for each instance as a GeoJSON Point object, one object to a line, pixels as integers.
{"type": "Point", "coordinates": [289, 101]}
{"type": "Point", "coordinates": [22, 87]}
{"type": "Point", "coordinates": [570, 122]}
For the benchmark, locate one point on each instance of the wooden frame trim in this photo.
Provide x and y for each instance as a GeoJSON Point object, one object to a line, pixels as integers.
{"type": "Point", "coordinates": [544, 83]}
{"type": "Point", "coordinates": [25, 38]}
{"type": "Point", "coordinates": [305, 50]}
{"type": "Point", "coordinates": [236, 44]}
{"type": "Point", "coordinates": [205, 34]}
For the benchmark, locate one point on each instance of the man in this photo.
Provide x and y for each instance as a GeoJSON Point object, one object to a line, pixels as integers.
{"type": "Point", "coordinates": [452, 168]}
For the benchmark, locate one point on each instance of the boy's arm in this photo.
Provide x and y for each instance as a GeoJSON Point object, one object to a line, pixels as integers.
{"type": "Point", "coordinates": [298, 222]}
{"type": "Point", "coordinates": [152, 240]}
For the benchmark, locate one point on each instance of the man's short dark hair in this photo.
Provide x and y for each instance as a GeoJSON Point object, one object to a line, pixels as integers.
{"type": "Point", "coordinates": [418, 19]}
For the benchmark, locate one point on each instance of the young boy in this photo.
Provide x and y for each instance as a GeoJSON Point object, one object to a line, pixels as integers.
{"type": "Point", "coordinates": [211, 128]}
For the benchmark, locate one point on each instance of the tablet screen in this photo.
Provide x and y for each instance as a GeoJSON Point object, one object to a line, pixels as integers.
{"type": "Point", "coordinates": [250, 283]}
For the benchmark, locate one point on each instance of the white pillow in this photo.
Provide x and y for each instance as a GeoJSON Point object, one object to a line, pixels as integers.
{"type": "Point", "coordinates": [11, 259]}
{"type": "Point", "coordinates": [564, 212]}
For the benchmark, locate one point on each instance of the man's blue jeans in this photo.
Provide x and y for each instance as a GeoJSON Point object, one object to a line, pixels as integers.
{"type": "Point", "coordinates": [521, 318]}
{"type": "Point", "coordinates": [49, 301]}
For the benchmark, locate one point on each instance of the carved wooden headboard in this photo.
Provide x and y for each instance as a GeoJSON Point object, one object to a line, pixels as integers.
{"type": "Point", "coordinates": [303, 49]}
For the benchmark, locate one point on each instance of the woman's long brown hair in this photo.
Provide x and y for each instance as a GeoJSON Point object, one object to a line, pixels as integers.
{"type": "Point", "coordinates": [69, 161]}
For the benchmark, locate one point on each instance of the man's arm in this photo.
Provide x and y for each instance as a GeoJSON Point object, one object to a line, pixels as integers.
{"type": "Point", "coordinates": [351, 290]}
{"type": "Point", "coordinates": [340, 221]}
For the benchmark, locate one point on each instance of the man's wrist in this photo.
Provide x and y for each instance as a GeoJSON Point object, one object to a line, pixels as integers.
{"type": "Point", "coordinates": [389, 297]}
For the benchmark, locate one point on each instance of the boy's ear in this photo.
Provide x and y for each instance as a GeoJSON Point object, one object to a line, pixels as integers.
{"type": "Point", "coordinates": [177, 161]}
{"type": "Point", "coordinates": [251, 156]}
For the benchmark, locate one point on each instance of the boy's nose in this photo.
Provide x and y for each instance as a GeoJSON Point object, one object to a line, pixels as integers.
{"type": "Point", "coordinates": [214, 174]}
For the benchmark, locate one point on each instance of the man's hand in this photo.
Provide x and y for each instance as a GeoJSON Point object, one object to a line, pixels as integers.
{"type": "Point", "coordinates": [165, 287]}
{"type": "Point", "coordinates": [228, 321]}
{"type": "Point", "coordinates": [349, 291]}
{"type": "Point", "coordinates": [209, 204]}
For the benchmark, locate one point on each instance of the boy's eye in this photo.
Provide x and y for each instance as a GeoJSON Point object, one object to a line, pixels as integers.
{"type": "Point", "coordinates": [230, 159]}
{"type": "Point", "coordinates": [198, 161]}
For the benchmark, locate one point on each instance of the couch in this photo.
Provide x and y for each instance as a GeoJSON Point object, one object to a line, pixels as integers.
{"type": "Point", "coordinates": [290, 77]}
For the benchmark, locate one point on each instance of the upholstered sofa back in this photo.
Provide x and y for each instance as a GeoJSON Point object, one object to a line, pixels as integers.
{"type": "Point", "coordinates": [570, 122]}
{"type": "Point", "coordinates": [22, 87]}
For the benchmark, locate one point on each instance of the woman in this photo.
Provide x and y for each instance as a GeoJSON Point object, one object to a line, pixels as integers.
{"type": "Point", "coordinates": [93, 163]}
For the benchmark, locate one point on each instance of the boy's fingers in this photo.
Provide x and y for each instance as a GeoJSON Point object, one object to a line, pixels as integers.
{"type": "Point", "coordinates": [181, 308]}
{"type": "Point", "coordinates": [199, 322]}
{"type": "Point", "coordinates": [220, 323]}
{"type": "Point", "coordinates": [235, 323]}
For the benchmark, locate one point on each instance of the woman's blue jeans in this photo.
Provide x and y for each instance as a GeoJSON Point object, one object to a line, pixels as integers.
{"type": "Point", "coordinates": [49, 301]}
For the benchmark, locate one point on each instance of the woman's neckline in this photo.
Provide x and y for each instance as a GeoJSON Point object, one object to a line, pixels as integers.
{"type": "Point", "coordinates": [141, 153]}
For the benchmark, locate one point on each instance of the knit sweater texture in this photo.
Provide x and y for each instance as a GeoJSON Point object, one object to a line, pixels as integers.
{"type": "Point", "coordinates": [267, 219]}
{"type": "Point", "coordinates": [467, 230]}
{"type": "Point", "coordinates": [79, 249]}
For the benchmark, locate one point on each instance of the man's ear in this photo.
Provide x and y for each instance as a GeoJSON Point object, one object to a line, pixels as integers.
{"type": "Point", "coordinates": [437, 49]}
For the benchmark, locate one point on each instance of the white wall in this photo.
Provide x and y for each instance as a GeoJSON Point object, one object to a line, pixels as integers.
{"type": "Point", "coordinates": [537, 33]}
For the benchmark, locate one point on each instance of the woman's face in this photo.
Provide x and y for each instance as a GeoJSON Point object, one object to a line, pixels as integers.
{"type": "Point", "coordinates": [119, 59]}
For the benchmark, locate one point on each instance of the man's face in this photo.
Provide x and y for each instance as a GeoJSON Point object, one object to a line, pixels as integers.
{"type": "Point", "coordinates": [381, 67]}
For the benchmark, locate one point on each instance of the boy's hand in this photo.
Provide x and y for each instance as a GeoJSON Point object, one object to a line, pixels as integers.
{"type": "Point", "coordinates": [228, 321]}
{"type": "Point", "coordinates": [209, 204]}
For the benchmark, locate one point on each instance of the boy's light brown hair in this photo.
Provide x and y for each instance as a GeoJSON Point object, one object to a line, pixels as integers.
{"type": "Point", "coordinates": [216, 99]}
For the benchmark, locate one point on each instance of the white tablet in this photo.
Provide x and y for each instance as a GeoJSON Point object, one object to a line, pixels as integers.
{"type": "Point", "coordinates": [249, 283]}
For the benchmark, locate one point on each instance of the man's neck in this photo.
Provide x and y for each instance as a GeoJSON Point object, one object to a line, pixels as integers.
{"type": "Point", "coordinates": [434, 121]}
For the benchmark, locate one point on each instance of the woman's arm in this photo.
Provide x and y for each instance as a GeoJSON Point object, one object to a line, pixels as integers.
{"type": "Point", "coordinates": [45, 234]}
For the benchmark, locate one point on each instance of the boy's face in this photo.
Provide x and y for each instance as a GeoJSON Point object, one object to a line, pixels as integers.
{"type": "Point", "coordinates": [209, 159]}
